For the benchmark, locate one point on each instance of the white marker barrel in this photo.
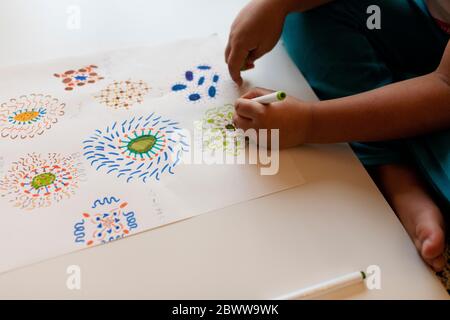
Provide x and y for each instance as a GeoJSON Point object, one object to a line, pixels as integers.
{"type": "Point", "coordinates": [326, 287]}
{"type": "Point", "coordinates": [271, 97]}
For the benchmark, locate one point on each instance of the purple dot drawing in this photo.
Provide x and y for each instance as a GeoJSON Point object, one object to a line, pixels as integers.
{"type": "Point", "coordinates": [198, 83]}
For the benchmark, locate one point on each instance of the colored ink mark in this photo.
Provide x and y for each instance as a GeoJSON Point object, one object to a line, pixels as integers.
{"type": "Point", "coordinates": [101, 202]}
{"type": "Point", "coordinates": [140, 148]}
{"type": "Point", "coordinates": [108, 219]}
{"type": "Point", "coordinates": [78, 78]}
{"type": "Point", "coordinates": [29, 116]}
{"type": "Point", "coordinates": [194, 97]}
{"type": "Point", "coordinates": [123, 94]}
{"type": "Point", "coordinates": [199, 83]}
{"type": "Point", "coordinates": [179, 87]}
{"type": "Point", "coordinates": [143, 144]}
{"type": "Point", "coordinates": [36, 181]}
{"type": "Point", "coordinates": [43, 180]}
{"type": "Point", "coordinates": [81, 78]}
{"type": "Point", "coordinates": [219, 133]}
{"type": "Point", "coordinates": [189, 75]}
{"type": "Point", "coordinates": [212, 91]}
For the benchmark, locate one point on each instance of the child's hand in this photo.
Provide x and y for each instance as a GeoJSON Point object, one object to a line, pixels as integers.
{"type": "Point", "coordinates": [255, 31]}
{"type": "Point", "coordinates": [291, 116]}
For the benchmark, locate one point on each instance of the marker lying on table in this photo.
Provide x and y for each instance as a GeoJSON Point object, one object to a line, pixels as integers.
{"type": "Point", "coordinates": [326, 287]}
{"type": "Point", "coordinates": [271, 97]}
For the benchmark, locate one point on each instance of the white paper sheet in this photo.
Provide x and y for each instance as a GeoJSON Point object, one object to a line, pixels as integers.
{"type": "Point", "coordinates": [82, 165]}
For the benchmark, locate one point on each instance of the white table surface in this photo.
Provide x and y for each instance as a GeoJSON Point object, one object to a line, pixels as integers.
{"type": "Point", "coordinates": [336, 223]}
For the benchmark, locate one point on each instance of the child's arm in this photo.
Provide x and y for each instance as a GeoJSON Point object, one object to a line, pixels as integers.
{"type": "Point", "coordinates": [400, 110]}
{"type": "Point", "coordinates": [257, 29]}
{"type": "Point", "coordinates": [404, 109]}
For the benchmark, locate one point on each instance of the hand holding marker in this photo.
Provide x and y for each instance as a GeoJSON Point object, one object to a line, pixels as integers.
{"type": "Point", "coordinates": [270, 98]}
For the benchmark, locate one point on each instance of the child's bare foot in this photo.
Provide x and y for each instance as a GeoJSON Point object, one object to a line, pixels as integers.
{"type": "Point", "coordinates": [420, 216]}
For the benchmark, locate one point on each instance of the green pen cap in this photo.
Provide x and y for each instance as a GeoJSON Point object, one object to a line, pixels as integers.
{"type": "Point", "coordinates": [281, 95]}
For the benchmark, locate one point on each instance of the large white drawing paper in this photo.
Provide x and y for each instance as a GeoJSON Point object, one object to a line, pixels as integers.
{"type": "Point", "coordinates": [94, 149]}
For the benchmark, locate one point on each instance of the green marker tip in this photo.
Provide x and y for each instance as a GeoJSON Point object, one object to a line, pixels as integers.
{"type": "Point", "coordinates": [281, 95]}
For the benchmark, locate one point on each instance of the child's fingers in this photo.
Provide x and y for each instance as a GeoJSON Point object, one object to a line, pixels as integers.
{"type": "Point", "coordinates": [248, 66]}
{"type": "Point", "coordinates": [227, 52]}
{"type": "Point", "coordinates": [251, 58]}
{"type": "Point", "coordinates": [256, 92]}
{"type": "Point", "coordinates": [241, 122]}
{"type": "Point", "coordinates": [236, 61]}
{"type": "Point", "coordinates": [255, 55]}
{"type": "Point", "coordinates": [248, 108]}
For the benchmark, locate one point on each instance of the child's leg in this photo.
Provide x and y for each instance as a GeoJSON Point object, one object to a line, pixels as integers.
{"type": "Point", "coordinates": [412, 202]}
